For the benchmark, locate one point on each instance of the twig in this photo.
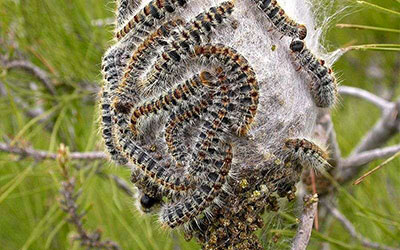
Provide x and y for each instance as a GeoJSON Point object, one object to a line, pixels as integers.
{"type": "Point", "coordinates": [35, 70]}
{"type": "Point", "coordinates": [365, 157]}
{"type": "Point", "coordinates": [314, 192]}
{"type": "Point", "coordinates": [175, 239]}
{"type": "Point", "coordinates": [121, 184]}
{"type": "Point", "coordinates": [363, 94]}
{"type": "Point", "coordinates": [383, 130]}
{"type": "Point", "coordinates": [353, 165]}
{"type": "Point", "coordinates": [359, 180]}
{"type": "Point", "coordinates": [68, 203]}
{"type": "Point", "coordinates": [3, 91]}
{"type": "Point", "coordinates": [334, 149]}
{"type": "Point", "coordinates": [325, 132]}
{"type": "Point", "coordinates": [30, 111]}
{"type": "Point", "coordinates": [351, 229]}
{"type": "Point", "coordinates": [377, 47]}
{"type": "Point", "coordinates": [42, 155]}
{"type": "Point", "coordinates": [303, 234]}
{"type": "Point", "coordinates": [368, 149]}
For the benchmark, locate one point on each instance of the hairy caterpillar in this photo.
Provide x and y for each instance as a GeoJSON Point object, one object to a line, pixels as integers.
{"type": "Point", "coordinates": [145, 19]}
{"type": "Point", "coordinates": [281, 22]}
{"type": "Point", "coordinates": [324, 86]}
{"type": "Point", "coordinates": [307, 153]}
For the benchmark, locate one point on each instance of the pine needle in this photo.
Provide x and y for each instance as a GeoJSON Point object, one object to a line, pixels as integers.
{"type": "Point", "coordinates": [361, 179]}
{"type": "Point", "coordinates": [378, 7]}
{"type": "Point", "coordinates": [365, 27]}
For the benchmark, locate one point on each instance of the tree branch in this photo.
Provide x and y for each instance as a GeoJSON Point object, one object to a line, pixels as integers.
{"type": "Point", "coordinates": [42, 155]}
{"type": "Point", "coordinates": [325, 132]}
{"type": "Point", "coordinates": [303, 234]}
{"type": "Point", "coordinates": [68, 203]}
{"type": "Point", "coordinates": [368, 156]}
{"type": "Point", "coordinates": [351, 229]}
{"type": "Point", "coordinates": [35, 70]}
{"type": "Point", "coordinates": [368, 149]}
{"type": "Point", "coordinates": [351, 166]}
{"type": "Point", "coordinates": [363, 94]}
{"type": "Point", "coordinates": [30, 111]}
{"type": "Point", "coordinates": [121, 184]}
{"type": "Point", "coordinates": [383, 130]}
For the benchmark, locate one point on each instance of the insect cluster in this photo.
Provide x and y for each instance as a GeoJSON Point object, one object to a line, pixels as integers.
{"type": "Point", "coordinates": [199, 119]}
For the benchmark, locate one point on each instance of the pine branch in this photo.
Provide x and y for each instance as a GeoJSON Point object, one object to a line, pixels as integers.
{"type": "Point", "coordinates": [43, 155]}
{"type": "Point", "coordinates": [304, 230]}
{"type": "Point", "coordinates": [365, 157]}
{"type": "Point", "coordinates": [363, 94]}
{"type": "Point", "coordinates": [352, 230]}
{"type": "Point", "coordinates": [68, 203]}
{"type": "Point", "coordinates": [33, 69]}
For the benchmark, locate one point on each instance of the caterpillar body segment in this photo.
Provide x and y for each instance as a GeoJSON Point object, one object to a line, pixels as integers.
{"type": "Point", "coordinates": [122, 106]}
{"type": "Point", "coordinates": [307, 153]}
{"type": "Point", "coordinates": [113, 65]}
{"type": "Point", "coordinates": [216, 124]}
{"type": "Point", "coordinates": [243, 108]}
{"type": "Point", "coordinates": [244, 84]}
{"type": "Point", "coordinates": [323, 85]}
{"type": "Point", "coordinates": [141, 58]}
{"type": "Point", "coordinates": [181, 212]}
{"type": "Point", "coordinates": [170, 178]}
{"type": "Point", "coordinates": [210, 165]}
{"type": "Point", "coordinates": [111, 77]}
{"type": "Point", "coordinates": [196, 118]}
{"type": "Point", "coordinates": [115, 62]}
{"type": "Point", "coordinates": [125, 10]}
{"type": "Point", "coordinates": [165, 102]}
{"type": "Point", "coordinates": [207, 151]}
{"type": "Point", "coordinates": [107, 130]}
{"type": "Point", "coordinates": [211, 181]}
{"type": "Point", "coordinates": [188, 113]}
{"type": "Point", "coordinates": [176, 125]}
{"type": "Point", "coordinates": [147, 203]}
{"type": "Point", "coordinates": [194, 33]}
{"type": "Point", "coordinates": [167, 177]}
{"type": "Point", "coordinates": [244, 87]}
{"type": "Point", "coordinates": [126, 92]}
{"type": "Point", "coordinates": [147, 195]}
{"type": "Point", "coordinates": [154, 12]}
{"type": "Point", "coordinates": [280, 20]}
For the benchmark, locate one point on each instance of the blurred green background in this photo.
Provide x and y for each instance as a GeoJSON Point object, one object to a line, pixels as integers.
{"type": "Point", "coordinates": [59, 37]}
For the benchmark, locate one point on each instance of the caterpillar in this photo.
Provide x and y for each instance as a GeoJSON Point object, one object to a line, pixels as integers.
{"type": "Point", "coordinates": [195, 32]}
{"type": "Point", "coordinates": [324, 85]}
{"type": "Point", "coordinates": [125, 10]}
{"type": "Point", "coordinates": [233, 62]}
{"type": "Point", "coordinates": [280, 20]}
{"type": "Point", "coordinates": [212, 160]}
{"type": "Point", "coordinates": [154, 12]}
{"type": "Point", "coordinates": [113, 63]}
{"type": "Point", "coordinates": [307, 153]}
